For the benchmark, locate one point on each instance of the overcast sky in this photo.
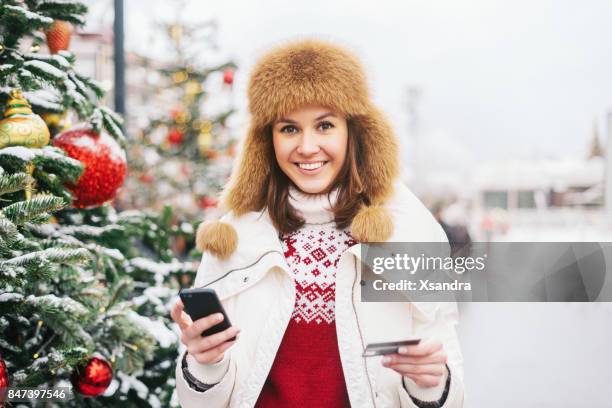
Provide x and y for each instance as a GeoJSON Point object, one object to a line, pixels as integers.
{"type": "Point", "coordinates": [498, 78]}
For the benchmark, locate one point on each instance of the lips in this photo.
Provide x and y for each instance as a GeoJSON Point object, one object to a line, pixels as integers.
{"type": "Point", "coordinates": [311, 167]}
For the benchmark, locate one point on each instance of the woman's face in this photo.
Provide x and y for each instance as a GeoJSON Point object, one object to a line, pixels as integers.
{"type": "Point", "coordinates": [310, 146]}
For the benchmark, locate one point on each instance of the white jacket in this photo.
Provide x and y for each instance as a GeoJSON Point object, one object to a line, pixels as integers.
{"type": "Point", "coordinates": [258, 293]}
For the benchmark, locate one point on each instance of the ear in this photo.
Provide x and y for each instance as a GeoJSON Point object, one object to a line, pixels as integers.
{"type": "Point", "coordinates": [372, 224]}
{"type": "Point", "coordinates": [216, 237]}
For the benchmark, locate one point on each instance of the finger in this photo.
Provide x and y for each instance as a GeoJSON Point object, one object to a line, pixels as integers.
{"type": "Point", "coordinates": [212, 341]}
{"type": "Point", "coordinates": [213, 355]}
{"type": "Point", "coordinates": [425, 380]}
{"type": "Point", "coordinates": [438, 357]}
{"type": "Point", "coordinates": [423, 369]}
{"type": "Point", "coordinates": [421, 349]}
{"type": "Point", "coordinates": [202, 324]}
{"type": "Point", "coordinates": [180, 317]}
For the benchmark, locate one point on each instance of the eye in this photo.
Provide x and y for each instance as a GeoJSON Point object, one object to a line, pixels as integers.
{"type": "Point", "coordinates": [326, 125]}
{"type": "Point", "coordinates": [288, 129]}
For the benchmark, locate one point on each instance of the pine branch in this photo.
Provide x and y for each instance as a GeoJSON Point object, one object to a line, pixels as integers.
{"type": "Point", "coordinates": [23, 211]}
{"type": "Point", "coordinates": [54, 255]}
{"type": "Point", "coordinates": [14, 182]}
{"type": "Point", "coordinates": [9, 234]}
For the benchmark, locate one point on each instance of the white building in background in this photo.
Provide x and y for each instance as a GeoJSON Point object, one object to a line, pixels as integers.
{"type": "Point", "coordinates": [545, 199]}
{"type": "Point", "coordinates": [540, 184]}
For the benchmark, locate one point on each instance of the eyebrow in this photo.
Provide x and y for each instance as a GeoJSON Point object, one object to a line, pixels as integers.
{"type": "Point", "coordinates": [318, 118]}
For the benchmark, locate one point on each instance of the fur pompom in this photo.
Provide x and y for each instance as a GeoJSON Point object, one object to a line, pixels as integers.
{"type": "Point", "coordinates": [216, 237]}
{"type": "Point", "coordinates": [372, 224]}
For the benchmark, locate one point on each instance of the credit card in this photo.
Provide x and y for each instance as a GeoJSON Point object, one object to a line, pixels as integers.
{"type": "Point", "coordinates": [391, 347]}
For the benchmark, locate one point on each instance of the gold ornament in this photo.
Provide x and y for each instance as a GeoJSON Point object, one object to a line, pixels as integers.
{"type": "Point", "coordinates": [29, 189]}
{"type": "Point", "coordinates": [206, 126]}
{"type": "Point", "coordinates": [21, 127]}
{"type": "Point", "coordinates": [57, 122]}
{"type": "Point", "coordinates": [192, 88]}
{"type": "Point", "coordinates": [204, 142]}
{"type": "Point", "coordinates": [180, 76]}
{"type": "Point", "coordinates": [182, 117]}
{"type": "Point", "coordinates": [176, 33]}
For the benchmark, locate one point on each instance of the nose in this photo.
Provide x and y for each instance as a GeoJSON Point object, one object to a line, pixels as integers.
{"type": "Point", "coordinates": [308, 144]}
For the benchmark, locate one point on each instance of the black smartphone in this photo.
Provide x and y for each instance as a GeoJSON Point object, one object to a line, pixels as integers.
{"type": "Point", "coordinates": [391, 347]}
{"type": "Point", "coordinates": [201, 302]}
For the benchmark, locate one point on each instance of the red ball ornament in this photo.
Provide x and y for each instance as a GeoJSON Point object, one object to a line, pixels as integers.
{"type": "Point", "coordinates": [175, 136]}
{"type": "Point", "coordinates": [92, 377]}
{"type": "Point", "coordinates": [208, 202]}
{"type": "Point", "coordinates": [105, 165]}
{"type": "Point", "coordinates": [228, 76]}
{"type": "Point", "coordinates": [146, 178]}
{"type": "Point", "coordinates": [4, 380]}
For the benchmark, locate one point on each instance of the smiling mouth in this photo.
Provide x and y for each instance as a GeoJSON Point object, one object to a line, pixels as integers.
{"type": "Point", "coordinates": [311, 166]}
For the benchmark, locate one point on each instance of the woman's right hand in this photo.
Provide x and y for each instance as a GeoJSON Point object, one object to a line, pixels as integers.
{"type": "Point", "coordinates": [205, 349]}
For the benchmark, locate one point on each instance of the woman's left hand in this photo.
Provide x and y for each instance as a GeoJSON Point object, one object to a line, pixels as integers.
{"type": "Point", "coordinates": [424, 363]}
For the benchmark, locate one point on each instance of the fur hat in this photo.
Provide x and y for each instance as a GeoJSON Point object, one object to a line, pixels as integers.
{"type": "Point", "coordinates": [309, 72]}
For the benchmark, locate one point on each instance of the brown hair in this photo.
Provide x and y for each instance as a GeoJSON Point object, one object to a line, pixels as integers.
{"type": "Point", "coordinates": [351, 195]}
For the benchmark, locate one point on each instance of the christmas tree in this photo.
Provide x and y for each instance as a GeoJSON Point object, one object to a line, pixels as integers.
{"type": "Point", "coordinates": [183, 145]}
{"type": "Point", "coordinates": [85, 290]}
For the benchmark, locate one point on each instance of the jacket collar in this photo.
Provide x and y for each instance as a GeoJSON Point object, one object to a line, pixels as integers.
{"type": "Point", "coordinates": [412, 222]}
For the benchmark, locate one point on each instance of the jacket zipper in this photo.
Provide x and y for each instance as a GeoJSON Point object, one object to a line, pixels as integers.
{"type": "Point", "coordinates": [241, 268]}
{"type": "Point", "coordinates": [365, 364]}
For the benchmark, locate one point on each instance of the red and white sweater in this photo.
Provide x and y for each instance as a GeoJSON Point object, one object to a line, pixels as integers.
{"type": "Point", "coordinates": [307, 370]}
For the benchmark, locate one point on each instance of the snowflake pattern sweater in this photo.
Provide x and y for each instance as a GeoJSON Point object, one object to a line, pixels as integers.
{"type": "Point", "coordinates": [307, 370]}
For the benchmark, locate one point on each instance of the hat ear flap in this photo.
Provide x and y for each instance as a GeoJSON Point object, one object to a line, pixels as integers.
{"type": "Point", "coordinates": [379, 166]}
{"type": "Point", "coordinates": [372, 224]}
{"type": "Point", "coordinates": [246, 189]}
{"type": "Point", "coordinates": [217, 237]}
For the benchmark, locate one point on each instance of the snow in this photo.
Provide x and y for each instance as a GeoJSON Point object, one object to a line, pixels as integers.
{"type": "Point", "coordinates": [110, 252]}
{"type": "Point", "coordinates": [153, 294]}
{"type": "Point", "coordinates": [21, 152]}
{"type": "Point", "coordinates": [54, 356]}
{"type": "Point", "coordinates": [30, 15]}
{"type": "Point", "coordinates": [87, 230]}
{"type": "Point", "coordinates": [187, 228]}
{"type": "Point", "coordinates": [112, 387]}
{"type": "Point", "coordinates": [46, 68]}
{"type": "Point", "coordinates": [156, 328]}
{"type": "Point", "coordinates": [66, 304]}
{"type": "Point", "coordinates": [10, 297]}
{"type": "Point", "coordinates": [44, 99]}
{"type": "Point", "coordinates": [154, 401]}
{"type": "Point", "coordinates": [131, 382]}
{"type": "Point", "coordinates": [29, 154]}
{"type": "Point", "coordinates": [24, 73]}
{"type": "Point", "coordinates": [160, 270]}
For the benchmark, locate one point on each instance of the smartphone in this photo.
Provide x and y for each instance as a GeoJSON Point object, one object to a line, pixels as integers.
{"type": "Point", "coordinates": [201, 302]}
{"type": "Point", "coordinates": [391, 347]}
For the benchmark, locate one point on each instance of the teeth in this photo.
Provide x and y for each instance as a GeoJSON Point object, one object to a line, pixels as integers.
{"type": "Point", "coordinates": [310, 166]}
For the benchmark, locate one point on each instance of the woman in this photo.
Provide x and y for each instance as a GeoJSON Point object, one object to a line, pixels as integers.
{"type": "Point", "coordinates": [317, 176]}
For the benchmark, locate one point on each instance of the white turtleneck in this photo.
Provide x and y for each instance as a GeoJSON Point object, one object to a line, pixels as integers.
{"type": "Point", "coordinates": [313, 208]}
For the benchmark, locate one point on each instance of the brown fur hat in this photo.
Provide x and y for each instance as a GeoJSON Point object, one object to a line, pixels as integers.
{"type": "Point", "coordinates": [313, 72]}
